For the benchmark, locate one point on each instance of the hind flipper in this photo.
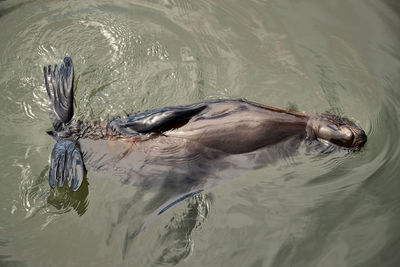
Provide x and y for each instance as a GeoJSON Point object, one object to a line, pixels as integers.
{"type": "Point", "coordinates": [156, 121]}
{"type": "Point", "coordinates": [59, 86]}
{"type": "Point", "coordinates": [66, 165]}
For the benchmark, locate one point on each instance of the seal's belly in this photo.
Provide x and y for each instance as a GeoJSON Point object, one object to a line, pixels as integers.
{"type": "Point", "coordinates": [176, 164]}
{"type": "Point", "coordinates": [147, 159]}
{"type": "Point", "coordinates": [107, 152]}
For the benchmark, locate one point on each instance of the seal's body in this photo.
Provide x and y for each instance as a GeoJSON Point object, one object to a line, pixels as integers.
{"type": "Point", "coordinates": [198, 138]}
{"type": "Point", "coordinates": [225, 139]}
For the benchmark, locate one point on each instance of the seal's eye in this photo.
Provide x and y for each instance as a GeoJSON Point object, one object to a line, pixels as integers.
{"type": "Point", "coordinates": [333, 127]}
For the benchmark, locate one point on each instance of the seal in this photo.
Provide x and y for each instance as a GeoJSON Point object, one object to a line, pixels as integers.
{"type": "Point", "coordinates": [200, 132]}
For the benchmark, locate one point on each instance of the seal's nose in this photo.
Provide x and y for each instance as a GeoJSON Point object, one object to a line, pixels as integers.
{"type": "Point", "coordinates": [363, 138]}
{"type": "Point", "coordinates": [360, 140]}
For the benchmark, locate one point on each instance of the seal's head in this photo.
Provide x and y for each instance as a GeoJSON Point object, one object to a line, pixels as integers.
{"type": "Point", "coordinates": [336, 130]}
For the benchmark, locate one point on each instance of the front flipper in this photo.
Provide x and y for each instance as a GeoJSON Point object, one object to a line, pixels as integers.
{"type": "Point", "coordinates": [66, 164]}
{"type": "Point", "coordinates": [156, 121]}
{"type": "Point", "coordinates": [59, 87]}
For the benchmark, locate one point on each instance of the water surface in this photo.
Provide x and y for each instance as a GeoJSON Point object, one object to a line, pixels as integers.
{"type": "Point", "coordinates": [310, 210]}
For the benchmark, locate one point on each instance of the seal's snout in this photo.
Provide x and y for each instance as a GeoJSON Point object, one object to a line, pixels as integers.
{"type": "Point", "coordinates": [360, 139]}
{"type": "Point", "coordinates": [336, 130]}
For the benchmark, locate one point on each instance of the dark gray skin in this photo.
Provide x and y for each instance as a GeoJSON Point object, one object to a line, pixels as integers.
{"type": "Point", "coordinates": [230, 136]}
{"type": "Point", "coordinates": [184, 145]}
{"type": "Point", "coordinates": [176, 152]}
{"type": "Point", "coordinates": [225, 140]}
{"type": "Point", "coordinates": [225, 131]}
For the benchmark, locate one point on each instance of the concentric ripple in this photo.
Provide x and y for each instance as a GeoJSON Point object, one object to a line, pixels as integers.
{"type": "Point", "coordinates": [313, 208]}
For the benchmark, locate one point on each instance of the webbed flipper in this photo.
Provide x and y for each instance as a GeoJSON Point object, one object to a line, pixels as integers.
{"type": "Point", "coordinates": [59, 86]}
{"type": "Point", "coordinates": [66, 165]}
{"type": "Point", "coordinates": [156, 121]}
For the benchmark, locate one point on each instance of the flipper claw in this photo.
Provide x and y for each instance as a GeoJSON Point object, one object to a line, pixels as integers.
{"type": "Point", "coordinates": [66, 165]}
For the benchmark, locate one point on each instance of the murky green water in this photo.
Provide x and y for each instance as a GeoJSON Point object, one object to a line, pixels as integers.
{"type": "Point", "coordinates": [314, 210]}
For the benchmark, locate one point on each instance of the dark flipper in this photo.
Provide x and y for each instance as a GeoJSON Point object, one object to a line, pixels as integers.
{"type": "Point", "coordinates": [156, 120]}
{"type": "Point", "coordinates": [59, 86]}
{"type": "Point", "coordinates": [66, 165]}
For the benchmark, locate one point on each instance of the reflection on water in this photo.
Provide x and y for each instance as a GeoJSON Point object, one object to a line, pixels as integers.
{"type": "Point", "coordinates": [64, 199]}
{"type": "Point", "coordinates": [310, 209]}
{"type": "Point", "coordinates": [175, 243]}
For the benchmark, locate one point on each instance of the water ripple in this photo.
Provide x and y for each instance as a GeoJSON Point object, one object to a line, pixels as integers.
{"type": "Point", "coordinates": [136, 55]}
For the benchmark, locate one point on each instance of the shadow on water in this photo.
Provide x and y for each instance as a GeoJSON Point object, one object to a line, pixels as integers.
{"type": "Point", "coordinates": [177, 242]}
{"type": "Point", "coordinates": [64, 199]}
